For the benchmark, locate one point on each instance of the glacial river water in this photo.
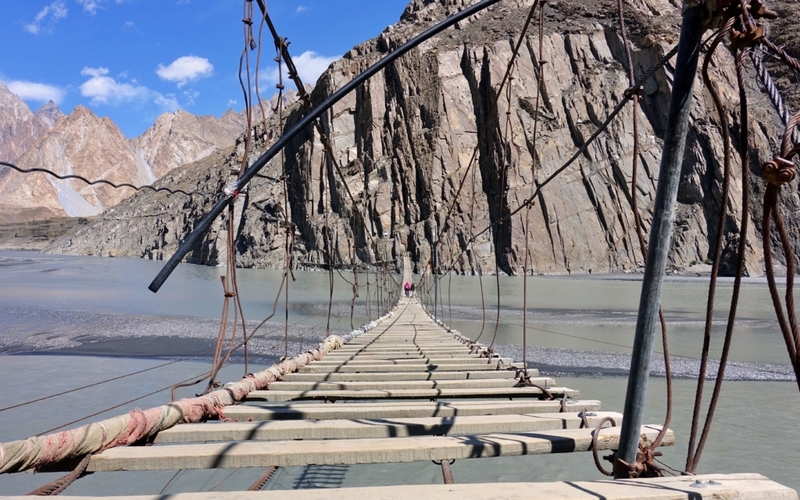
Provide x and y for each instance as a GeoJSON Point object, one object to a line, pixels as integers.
{"type": "Point", "coordinates": [66, 322]}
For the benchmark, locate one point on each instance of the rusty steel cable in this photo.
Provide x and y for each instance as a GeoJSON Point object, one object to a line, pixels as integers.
{"type": "Point", "coordinates": [791, 61]}
{"type": "Point", "coordinates": [777, 172]}
{"type": "Point", "coordinates": [447, 473]}
{"type": "Point", "coordinates": [526, 228]}
{"type": "Point", "coordinates": [726, 144]}
{"type": "Point", "coordinates": [595, 435]}
{"type": "Point", "coordinates": [740, 262]}
{"type": "Point", "coordinates": [739, 54]}
{"type": "Point", "coordinates": [263, 479]}
{"type": "Point", "coordinates": [60, 484]}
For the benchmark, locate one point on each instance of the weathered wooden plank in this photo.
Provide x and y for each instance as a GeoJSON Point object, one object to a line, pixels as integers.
{"type": "Point", "coordinates": [463, 360]}
{"type": "Point", "coordinates": [377, 428]}
{"type": "Point", "coordinates": [388, 376]}
{"type": "Point", "coordinates": [725, 486]}
{"type": "Point", "coordinates": [334, 395]}
{"type": "Point", "coordinates": [406, 409]}
{"type": "Point", "coordinates": [407, 384]}
{"type": "Point", "coordinates": [357, 451]}
{"type": "Point", "coordinates": [400, 368]}
{"type": "Point", "coordinates": [393, 356]}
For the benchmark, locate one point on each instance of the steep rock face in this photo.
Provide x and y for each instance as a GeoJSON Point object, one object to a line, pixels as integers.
{"type": "Point", "coordinates": [19, 127]}
{"type": "Point", "coordinates": [179, 138]}
{"type": "Point", "coordinates": [405, 143]}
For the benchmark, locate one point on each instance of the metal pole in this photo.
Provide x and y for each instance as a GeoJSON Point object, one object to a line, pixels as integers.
{"type": "Point", "coordinates": [435, 266]}
{"type": "Point", "coordinates": [660, 234]}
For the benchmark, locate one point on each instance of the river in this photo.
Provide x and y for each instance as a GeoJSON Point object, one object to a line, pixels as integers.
{"type": "Point", "coordinates": [68, 321]}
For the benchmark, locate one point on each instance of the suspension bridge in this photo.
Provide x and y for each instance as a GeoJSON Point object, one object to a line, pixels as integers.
{"type": "Point", "coordinates": [409, 390]}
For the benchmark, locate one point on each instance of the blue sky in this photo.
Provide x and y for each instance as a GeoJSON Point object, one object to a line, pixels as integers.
{"type": "Point", "coordinates": [132, 60]}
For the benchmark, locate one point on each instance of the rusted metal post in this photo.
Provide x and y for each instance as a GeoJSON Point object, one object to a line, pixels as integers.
{"type": "Point", "coordinates": [692, 29]}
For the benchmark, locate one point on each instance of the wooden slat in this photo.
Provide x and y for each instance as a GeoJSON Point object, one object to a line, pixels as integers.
{"type": "Point", "coordinates": [728, 486]}
{"type": "Point", "coordinates": [377, 428]}
{"type": "Point", "coordinates": [461, 360]}
{"type": "Point", "coordinates": [402, 385]}
{"type": "Point", "coordinates": [388, 376]}
{"type": "Point", "coordinates": [333, 395]}
{"type": "Point", "coordinates": [406, 409]}
{"type": "Point", "coordinates": [313, 367]}
{"type": "Point", "coordinates": [356, 451]}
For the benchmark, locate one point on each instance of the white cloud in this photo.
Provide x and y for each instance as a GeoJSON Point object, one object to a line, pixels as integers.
{"type": "Point", "coordinates": [300, 8]}
{"type": "Point", "coordinates": [189, 96]}
{"type": "Point", "coordinates": [91, 6]}
{"type": "Point", "coordinates": [185, 69]}
{"type": "Point", "coordinates": [168, 103]}
{"type": "Point", "coordinates": [47, 16]}
{"type": "Point", "coordinates": [309, 65]}
{"type": "Point", "coordinates": [30, 91]}
{"type": "Point", "coordinates": [232, 103]}
{"type": "Point", "coordinates": [102, 89]}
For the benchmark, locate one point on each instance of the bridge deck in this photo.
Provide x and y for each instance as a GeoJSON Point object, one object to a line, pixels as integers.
{"type": "Point", "coordinates": [409, 391]}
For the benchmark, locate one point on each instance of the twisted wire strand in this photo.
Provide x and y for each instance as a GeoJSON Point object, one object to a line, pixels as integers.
{"type": "Point", "coordinates": [773, 91]}
{"type": "Point", "coordinates": [109, 183]}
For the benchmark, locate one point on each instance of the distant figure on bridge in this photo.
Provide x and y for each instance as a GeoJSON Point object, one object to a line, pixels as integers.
{"type": "Point", "coordinates": [413, 288]}
{"type": "Point", "coordinates": [406, 288]}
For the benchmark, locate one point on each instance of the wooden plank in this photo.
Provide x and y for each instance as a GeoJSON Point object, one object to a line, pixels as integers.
{"type": "Point", "coordinates": [401, 385]}
{"type": "Point", "coordinates": [393, 356]}
{"type": "Point", "coordinates": [416, 375]}
{"type": "Point", "coordinates": [377, 428]}
{"type": "Point", "coordinates": [356, 451]}
{"type": "Point", "coordinates": [406, 409]}
{"type": "Point", "coordinates": [462, 360]}
{"type": "Point", "coordinates": [493, 392]}
{"type": "Point", "coordinates": [728, 486]}
{"type": "Point", "coordinates": [313, 367]}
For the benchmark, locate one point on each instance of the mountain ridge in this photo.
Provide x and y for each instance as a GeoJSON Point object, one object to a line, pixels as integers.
{"type": "Point", "coordinates": [84, 144]}
{"type": "Point", "coordinates": [404, 141]}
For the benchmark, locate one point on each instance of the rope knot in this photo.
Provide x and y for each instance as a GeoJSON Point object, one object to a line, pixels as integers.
{"type": "Point", "coordinates": [778, 171]}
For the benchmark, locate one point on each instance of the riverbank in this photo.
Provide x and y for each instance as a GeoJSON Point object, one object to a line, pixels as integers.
{"type": "Point", "coordinates": [38, 234]}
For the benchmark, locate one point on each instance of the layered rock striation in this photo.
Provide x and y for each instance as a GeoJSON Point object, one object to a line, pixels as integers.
{"type": "Point", "coordinates": [432, 145]}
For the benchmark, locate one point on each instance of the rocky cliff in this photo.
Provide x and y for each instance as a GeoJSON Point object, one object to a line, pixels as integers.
{"type": "Point", "coordinates": [405, 139]}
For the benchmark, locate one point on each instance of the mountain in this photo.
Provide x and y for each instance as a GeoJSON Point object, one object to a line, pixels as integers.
{"type": "Point", "coordinates": [81, 144]}
{"type": "Point", "coordinates": [404, 141]}
{"type": "Point", "coordinates": [84, 144]}
{"type": "Point", "coordinates": [179, 138]}
{"type": "Point", "coordinates": [19, 127]}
